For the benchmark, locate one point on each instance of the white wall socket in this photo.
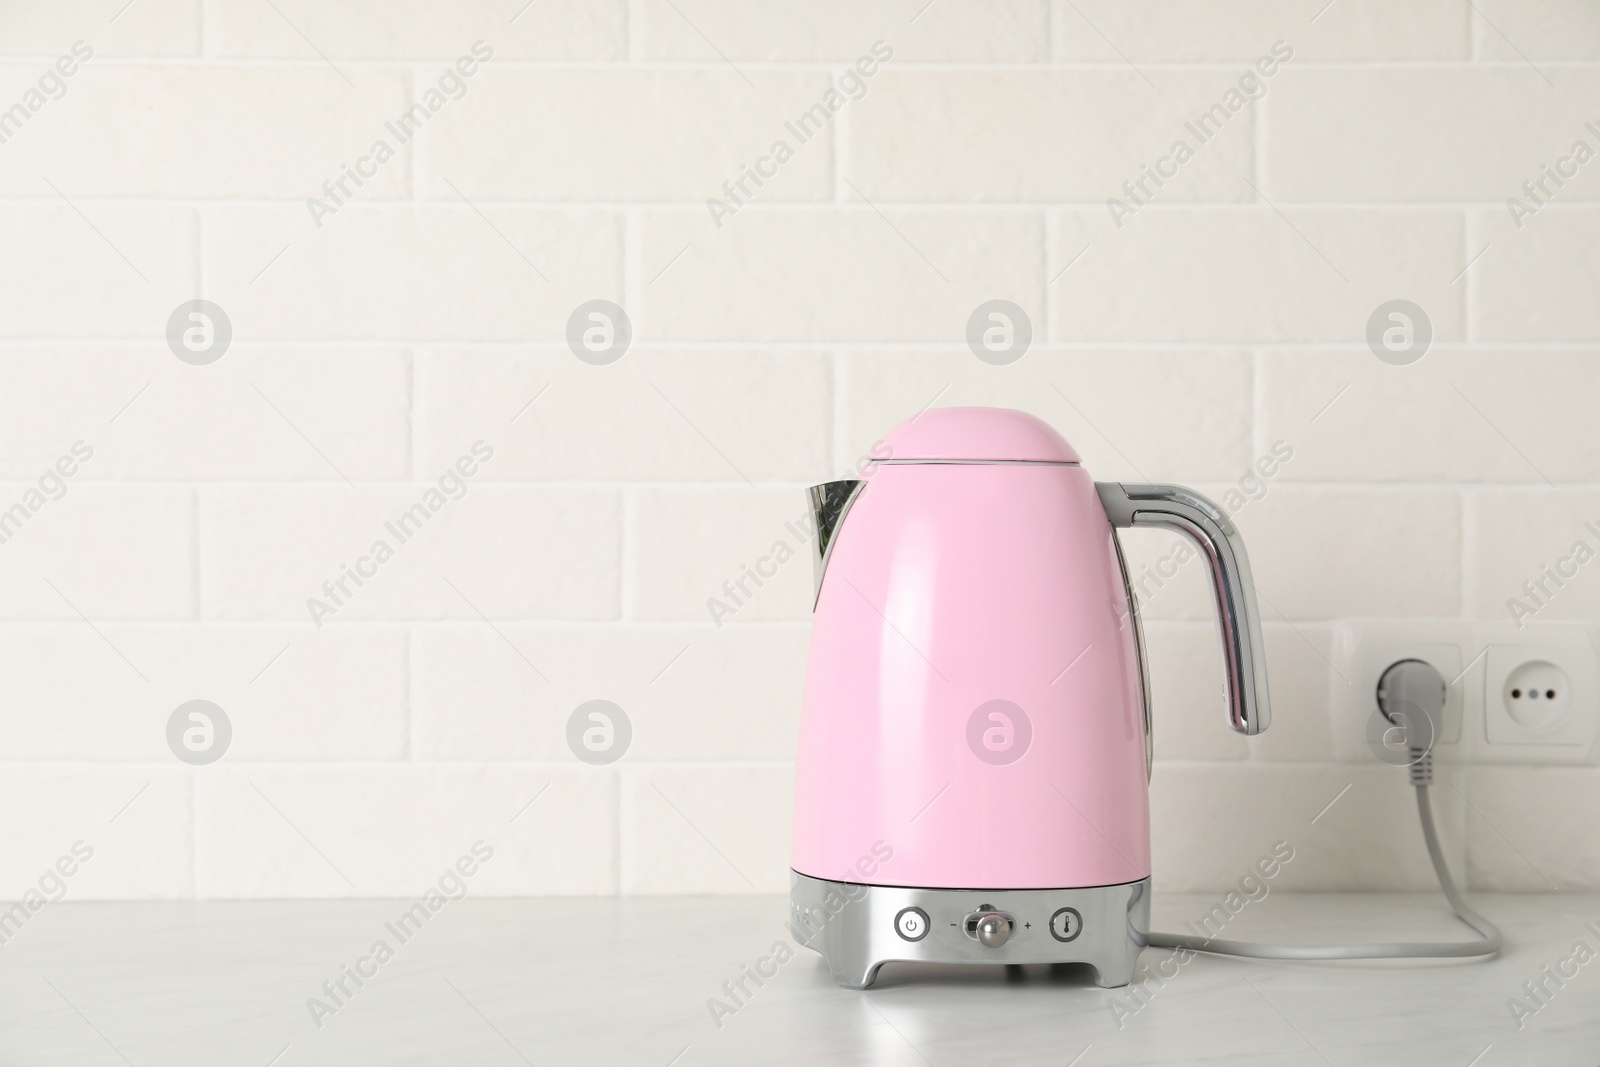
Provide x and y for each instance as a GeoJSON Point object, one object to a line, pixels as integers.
{"type": "Point", "coordinates": [1526, 696]}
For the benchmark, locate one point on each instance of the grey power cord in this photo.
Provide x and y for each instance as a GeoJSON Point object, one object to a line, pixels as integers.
{"type": "Point", "coordinates": [1407, 689]}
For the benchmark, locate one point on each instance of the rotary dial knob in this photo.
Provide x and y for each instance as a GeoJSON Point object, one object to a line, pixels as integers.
{"type": "Point", "coordinates": [994, 930]}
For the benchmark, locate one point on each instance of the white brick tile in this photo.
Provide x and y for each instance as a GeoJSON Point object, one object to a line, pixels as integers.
{"type": "Point", "coordinates": [693, 547]}
{"type": "Point", "coordinates": [1424, 133]}
{"type": "Point", "coordinates": [1515, 536]}
{"type": "Point", "coordinates": [1320, 554]}
{"type": "Point", "coordinates": [150, 415]}
{"type": "Point", "coordinates": [154, 29]}
{"type": "Point", "coordinates": [1528, 829]}
{"type": "Point", "coordinates": [444, 272]}
{"type": "Point", "coordinates": [1141, 416]}
{"type": "Point", "coordinates": [983, 135]}
{"type": "Point", "coordinates": [1209, 826]}
{"type": "Point", "coordinates": [419, 29]}
{"type": "Point", "coordinates": [109, 553]}
{"type": "Point", "coordinates": [841, 31]}
{"type": "Point", "coordinates": [655, 415]}
{"type": "Point", "coordinates": [798, 275]}
{"type": "Point", "coordinates": [335, 695]}
{"type": "Point", "coordinates": [1193, 31]}
{"type": "Point", "coordinates": [706, 829]}
{"type": "Point", "coordinates": [1342, 567]}
{"type": "Point", "coordinates": [1168, 575]}
{"type": "Point", "coordinates": [1454, 416]}
{"type": "Point", "coordinates": [43, 99]}
{"type": "Point", "coordinates": [1533, 283]}
{"type": "Point", "coordinates": [1189, 712]}
{"type": "Point", "coordinates": [624, 135]}
{"type": "Point", "coordinates": [689, 694]}
{"type": "Point", "coordinates": [134, 825]}
{"type": "Point", "coordinates": [200, 131]}
{"type": "Point", "coordinates": [773, 345]}
{"type": "Point", "coordinates": [509, 553]}
{"type": "Point", "coordinates": [74, 698]}
{"type": "Point", "coordinates": [1520, 31]}
{"type": "Point", "coordinates": [1252, 273]}
{"type": "Point", "coordinates": [1299, 669]}
{"type": "Point", "coordinates": [394, 832]}
{"type": "Point", "coordinates": [94, 269]}
{"type": "Point", "coordinates": [1167, 571]}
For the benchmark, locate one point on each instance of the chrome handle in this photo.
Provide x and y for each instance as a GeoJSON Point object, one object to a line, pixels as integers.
{"type": "Point", "coordinates": [1184, 510]}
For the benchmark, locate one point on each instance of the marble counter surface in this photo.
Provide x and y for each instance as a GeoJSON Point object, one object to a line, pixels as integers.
{"type": "Point", "coordinates": [632, 981]}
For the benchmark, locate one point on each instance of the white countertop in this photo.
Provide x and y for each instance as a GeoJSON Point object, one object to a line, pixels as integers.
{"type": "Point", "coordinates": [614, 981]}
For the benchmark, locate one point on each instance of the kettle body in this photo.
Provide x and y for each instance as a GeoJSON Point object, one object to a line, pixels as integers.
{"type": "Point", "coordinates": [974, 698]}
{"type": "Point", "coordinates": [975, 743]}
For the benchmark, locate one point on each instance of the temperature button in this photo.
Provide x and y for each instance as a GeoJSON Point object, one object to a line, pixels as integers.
{"type": "Point", "coordinates": [911, 924]}
{"type": "Point", "coordinates": [1066, 924]}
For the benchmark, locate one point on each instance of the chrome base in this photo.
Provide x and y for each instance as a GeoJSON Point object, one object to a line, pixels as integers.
{"type": "Point", "coordinates": [859, 928]}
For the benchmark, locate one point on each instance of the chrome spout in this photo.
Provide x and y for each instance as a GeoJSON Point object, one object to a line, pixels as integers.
{"type": "Point", "coordinates": [830, 502]}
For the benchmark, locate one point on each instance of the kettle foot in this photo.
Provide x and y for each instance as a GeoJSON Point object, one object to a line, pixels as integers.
{"type": "Point", "coordinates": [1115, 976]}
{"type": "Point", "coordinates": [859, 928]}
{"type": "Point", "coordinates": [855, 978]}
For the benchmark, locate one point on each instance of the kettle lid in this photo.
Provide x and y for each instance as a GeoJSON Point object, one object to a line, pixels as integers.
{"type": "Point", "coordinates": [993, 435]}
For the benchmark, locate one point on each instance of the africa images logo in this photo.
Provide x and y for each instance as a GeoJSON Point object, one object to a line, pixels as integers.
{"type": "Point", "coordinates": [999, 732]}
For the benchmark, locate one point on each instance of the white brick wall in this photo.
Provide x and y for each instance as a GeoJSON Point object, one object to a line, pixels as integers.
{"type": "Point", "coordinates": [373, 346]}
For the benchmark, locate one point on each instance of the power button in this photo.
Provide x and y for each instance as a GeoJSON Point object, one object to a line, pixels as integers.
{"type": "Point", "coordinates": [911, 924]}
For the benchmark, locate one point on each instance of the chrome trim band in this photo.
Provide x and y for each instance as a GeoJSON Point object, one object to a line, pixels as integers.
{"type": "Point", "coordinates": [973, 463]}
{"type": "Point", "coordinates": [854, 926]}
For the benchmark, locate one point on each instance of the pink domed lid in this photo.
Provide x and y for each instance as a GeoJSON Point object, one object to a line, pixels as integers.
{"type": "Point", "coordinates": [978, 434]}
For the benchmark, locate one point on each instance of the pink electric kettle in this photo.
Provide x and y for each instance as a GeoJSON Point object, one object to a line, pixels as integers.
{"type": "Point", "coordinates": [975, 747]}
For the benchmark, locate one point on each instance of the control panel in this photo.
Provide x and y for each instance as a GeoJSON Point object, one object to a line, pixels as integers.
{"type": "Point", "coordinates": [989, 926]}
